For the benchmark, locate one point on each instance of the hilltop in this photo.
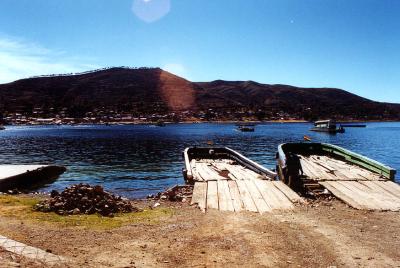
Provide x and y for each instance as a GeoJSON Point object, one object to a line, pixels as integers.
{"type": "Point", "coordinates": [153, 92]}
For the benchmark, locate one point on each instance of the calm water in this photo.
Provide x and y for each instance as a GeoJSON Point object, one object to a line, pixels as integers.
{"type": "Point", "coordinates": [137, 160]}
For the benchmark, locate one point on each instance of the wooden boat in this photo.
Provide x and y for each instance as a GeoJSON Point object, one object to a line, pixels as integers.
{"type": "Point", "coordinates": [226, 180]}
{"type": "Point", "coordinates": [328, 126]}
{"type": "Point", "coordinates": [27, 176]}
{"type": "Point", "coordinates": [313, 168]}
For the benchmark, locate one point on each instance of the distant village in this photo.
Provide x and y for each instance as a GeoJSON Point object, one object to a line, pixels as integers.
{"type": "Point", "coordinates": [108, 116]}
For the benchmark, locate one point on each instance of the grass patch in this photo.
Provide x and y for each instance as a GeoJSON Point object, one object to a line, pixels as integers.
{"type": "Point", "coordinates": [21, 208]}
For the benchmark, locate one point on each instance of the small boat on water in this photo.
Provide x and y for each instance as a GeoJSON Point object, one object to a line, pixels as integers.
{"type": "Point", "coordinates": [28, 176]}
{"type": "Point", "coordinates": [2, 127]}
{"type": "Point", "coordinates": [226, 180]}
{"type": "Point", "coordinates": [246, 127]}
{"type": "Point", "coordinates": [328, 126]}
{"type": "Point", "coordinates": [316, 169]}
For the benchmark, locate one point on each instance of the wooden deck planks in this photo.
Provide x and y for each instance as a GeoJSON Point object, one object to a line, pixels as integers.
{"type": "Point", "coordinates": [364, 196]}
{"type": "Point", "coordinates": [342, 193]}
{"type": "Point", "coordinates": [266, 189]}
{"type": "Point", "coordinates": [224, 196]}
{"type": "Point", "coordinates": [283, 200]}
{"type": "Point", "coordinates": [246, 198]}
{"type": "Point", "coordinates": [212, 195]}
{"type": "Point", "coordinates": [235, 194]}
{"type": "Point", "coordinates": [238, 189]}
{"type": "Point", "coordinates": [258, 199]}
{"type": "Point", "coordinates": [199, 196]}
{"type": "Point", "coordinates": [289, 193]}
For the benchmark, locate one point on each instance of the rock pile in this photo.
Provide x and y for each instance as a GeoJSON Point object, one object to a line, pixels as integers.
{"type": "Point", "coordinates": [85, 199]}
{"type": "Point", "coordinates": [179, 193]}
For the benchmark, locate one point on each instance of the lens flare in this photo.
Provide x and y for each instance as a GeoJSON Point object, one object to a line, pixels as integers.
{"type": "Point", "coordinates": [151, 10]}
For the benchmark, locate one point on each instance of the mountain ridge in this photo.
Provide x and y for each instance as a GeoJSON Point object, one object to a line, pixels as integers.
{"type": "Point", "coordinates": [144, 91]}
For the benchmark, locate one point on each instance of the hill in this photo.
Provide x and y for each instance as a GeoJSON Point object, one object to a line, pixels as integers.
{"type": "Point", "coordinates": [146, 91]}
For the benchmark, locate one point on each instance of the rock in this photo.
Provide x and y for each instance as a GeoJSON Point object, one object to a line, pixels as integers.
{"type": "Point", "coordinates": [176, 193]}
{"type": "Point", "coordinates": [156, 205]}
{"type": "Point", "coordinates": [76, 211]}
{"type": "Point", "coordinates": [83, 198]}
{"type": "Point", "coordinates": [54, 193]}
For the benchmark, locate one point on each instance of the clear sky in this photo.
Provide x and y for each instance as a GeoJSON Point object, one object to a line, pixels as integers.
{"type": "Point", "coordinates": [349, 44]}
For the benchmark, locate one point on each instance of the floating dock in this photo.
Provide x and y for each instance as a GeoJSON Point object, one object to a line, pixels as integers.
{"type": "Point", "coordinates": [27, 176]}
{"type": "Point", "coordinates": [225, 180]}
{"type": "Point", "coordinates": [358, 181]}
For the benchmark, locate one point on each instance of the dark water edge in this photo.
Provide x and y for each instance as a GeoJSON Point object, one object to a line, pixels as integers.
{"type": "Point", "coordinates": [135, 160]}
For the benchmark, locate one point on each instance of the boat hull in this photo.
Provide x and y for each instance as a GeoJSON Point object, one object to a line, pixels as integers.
{"type": "Point", "coordinates": [220, 152]}
{"type": "Point", "coordinates": [32, 178]}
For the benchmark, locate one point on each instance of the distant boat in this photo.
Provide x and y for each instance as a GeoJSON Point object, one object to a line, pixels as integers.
{"type": "Point", "coordinates": [306, 138]}
{"type": "Point", "coordinates": [328, 126]}
{"type": "Point", "coordinates": [2, 127]}
{"type": "Point", "coordinates": [246, 128]}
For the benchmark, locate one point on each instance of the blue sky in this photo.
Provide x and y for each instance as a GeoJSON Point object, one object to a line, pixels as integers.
{"type": "Point", "coordinates": [349, 44]}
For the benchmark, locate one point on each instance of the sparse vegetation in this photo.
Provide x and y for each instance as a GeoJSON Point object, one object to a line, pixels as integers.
{"type": "Point", "coordinates": [21, 208]}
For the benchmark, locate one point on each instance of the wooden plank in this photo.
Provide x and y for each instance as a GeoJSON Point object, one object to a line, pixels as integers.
{"type": "Point", "coordinates": [394, 187]}
{"type": "Point", "coordinates": [265, 189]}
{"type": "Point", "coordinates": [282, 198]}
{"type": "Point", "coordinates": [212, 195]}
{"type": "Point", "coordinates": [306, 170]}
{"type": "Point", "coordinates": [261, 205]}
{"type": "Point", "coordinates": [289, 193]}
{"type": "Point", "coordinates": [392, 201]}
{"type": "Point", "coordinates": [199, 196]}
{"type": "Point", "coordinates": [235, 195]}
{"type": "Point", "coordinates": [342, 193]}
{"type": "Point", "coordinates": [378, 186]}
{"type": "Point", "coordinates": [389, 186]}
{"type": "Point", "coordinates": [205, 172]}
{"type": "Point", "coordinates": [224, 196]}
{"type": "Point", "coordinates": [365, 196]}
{"type": "Point", "coordinates": [360, 196]}
{"type": "Point", "coordinates": [247, 200]}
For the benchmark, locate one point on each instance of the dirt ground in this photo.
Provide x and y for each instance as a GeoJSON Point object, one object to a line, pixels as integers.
{"type": "Point", "coordinates": [320, 235]}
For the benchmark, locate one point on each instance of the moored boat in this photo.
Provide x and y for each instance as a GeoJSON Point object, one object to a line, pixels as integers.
{"type": "Point", "coordinates": [328, 126]}
{"type": "Point", "coordinates": [318, 168]}
{"type": "Point", "coordinates": [213, 155]}
{"type": "Point", "coordinates": [28, 176]}
{"type": "Point", "coordinates": [246, 127]}
{"type": "Point", "coordinates": [226, 180]}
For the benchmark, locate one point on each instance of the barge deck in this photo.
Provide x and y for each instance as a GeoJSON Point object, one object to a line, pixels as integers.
{"type": "Point", "coordinates": [358, 181]}
{"type": "Point", "coordinates": [225, 180]}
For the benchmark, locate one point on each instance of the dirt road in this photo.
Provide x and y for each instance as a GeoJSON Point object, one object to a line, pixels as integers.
{"type": "Point", "coordinates": [325, 235]}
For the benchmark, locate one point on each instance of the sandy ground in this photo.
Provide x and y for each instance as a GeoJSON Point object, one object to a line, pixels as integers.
{"type": "Point", "coordinates": [319, 235]}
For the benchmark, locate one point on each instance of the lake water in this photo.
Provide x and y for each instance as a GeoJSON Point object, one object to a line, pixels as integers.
{"type": "Point", "coordinates": [137, 160]}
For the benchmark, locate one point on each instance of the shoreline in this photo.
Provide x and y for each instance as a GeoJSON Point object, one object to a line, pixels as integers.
{"type": "Point", "coordinates": [200, 122]}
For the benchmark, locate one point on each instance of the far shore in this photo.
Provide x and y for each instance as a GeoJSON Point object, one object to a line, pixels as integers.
{"type": "Point", "coordinates": [195, 122]}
